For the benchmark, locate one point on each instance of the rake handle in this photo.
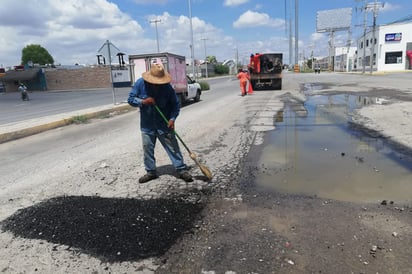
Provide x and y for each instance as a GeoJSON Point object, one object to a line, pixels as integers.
{"type": "Point", "coordinates": [177, 135]}
{"type": "Point", "coordinates": [203, 168]}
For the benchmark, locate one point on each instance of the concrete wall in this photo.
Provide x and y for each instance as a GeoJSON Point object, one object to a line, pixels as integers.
{"type": "Point", "coordinates": [82, 78]}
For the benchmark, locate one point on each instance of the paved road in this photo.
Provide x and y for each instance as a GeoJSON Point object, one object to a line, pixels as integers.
{"type": "Point", "coordinates": [51, 109]}
{"type": "Point", "coordinates": [41, 104]}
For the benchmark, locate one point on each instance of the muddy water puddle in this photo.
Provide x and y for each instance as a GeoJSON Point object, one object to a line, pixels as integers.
{"type": "Point", "coordinates": [315, 151]}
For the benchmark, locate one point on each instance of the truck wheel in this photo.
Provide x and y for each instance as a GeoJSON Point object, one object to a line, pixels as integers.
{"type": "Point", "coordinates": [277, 84]}
{"type": "Point", "coordinates": [197, 97]}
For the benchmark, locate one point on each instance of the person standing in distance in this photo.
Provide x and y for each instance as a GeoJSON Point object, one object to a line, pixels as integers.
{"type": "Point", "coordinates": [244, 78]}
{"type": "Point", "coordinates": [23, 92]}
{"type": "Point", "coordinates": [154, 88]}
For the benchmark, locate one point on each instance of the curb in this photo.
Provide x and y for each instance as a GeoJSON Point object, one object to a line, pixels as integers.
{"type": "Point", "coordinates": [21, 133]}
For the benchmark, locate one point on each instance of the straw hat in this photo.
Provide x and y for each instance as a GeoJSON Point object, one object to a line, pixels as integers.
{"type": "Point", "coordinates": [157, 75]}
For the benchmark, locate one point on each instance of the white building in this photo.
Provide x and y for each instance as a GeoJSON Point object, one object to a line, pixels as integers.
{"type": "Point", "coordinates": [344, 58]}
{"type": "Point", "coordinates": [388, 45]}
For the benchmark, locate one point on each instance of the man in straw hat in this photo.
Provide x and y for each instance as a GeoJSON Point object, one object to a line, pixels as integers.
{"type": "Point", "coordinates": [154, 89]}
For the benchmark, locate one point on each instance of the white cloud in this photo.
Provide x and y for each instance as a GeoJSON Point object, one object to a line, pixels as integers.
{"type": "Point", "coordinates": [232, 3]}
{"type": "Point", "coordinates": [174, 34]}
{"type": "Point", "coordinates": [151, 1]}
{"type": "Point", "coordinates": [74, 30]}
{"type": "Point", "coordinates": [251, 19]}
{"type": "Point", "coordinates": [389, 7]}
{"type": "Point", "coordinates": [316, 37]}
{"type": "Point", "coordinates": [71, 30]}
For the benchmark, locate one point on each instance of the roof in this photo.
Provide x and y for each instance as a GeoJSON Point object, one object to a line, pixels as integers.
{"type": "Point", "coordinates": [20, 75]}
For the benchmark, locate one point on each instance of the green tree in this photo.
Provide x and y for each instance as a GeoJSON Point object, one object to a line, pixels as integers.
{"type": "Point", "coordinates": [221, 69]}
{"type": "Point", "coordinates": [211, 59]}
{"type": "Point", "coordinates": [37, 54]}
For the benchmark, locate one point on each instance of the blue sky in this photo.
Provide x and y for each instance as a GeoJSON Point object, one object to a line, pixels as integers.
{"type": "Point", "coordinates": [73, 30]}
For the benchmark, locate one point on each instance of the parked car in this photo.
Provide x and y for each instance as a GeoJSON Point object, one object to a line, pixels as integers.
{"type": "Point", "coordinates": [194, 87]}
{"type": "Point", "coordinates": [2, 87]}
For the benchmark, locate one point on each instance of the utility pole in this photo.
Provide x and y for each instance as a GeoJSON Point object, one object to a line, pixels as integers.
{"type": "Point", "coordinates": [296, 34]}
{"type": "Point", "coordinates": [192, 50]}
{"type": "Point", "coordinates": [365, 17]}
{"type": "Point", "coordinates": [157, 35]}
{"type": "Point", "coordinates": [204, 43]}
{"type": "Point", "coordinates": [332, 51]}
{"type": "Point", "coordinates": [290, 36]}
{"type": "Point", "coordinates": [236, 59]}
{"type": "Point", "coordinates": [375, 8]}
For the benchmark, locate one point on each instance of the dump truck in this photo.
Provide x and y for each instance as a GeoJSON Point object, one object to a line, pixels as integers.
{"type": "Point", "coordinates": [185, 87]}
{"type": "Point", "coordinates": [266, 70]}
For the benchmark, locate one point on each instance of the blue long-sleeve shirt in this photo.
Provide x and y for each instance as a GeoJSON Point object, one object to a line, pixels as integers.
{"type": "Point", "coordinates": [165, 97]}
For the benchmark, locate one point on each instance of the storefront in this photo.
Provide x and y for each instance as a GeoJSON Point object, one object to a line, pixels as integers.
{"type": "Point", "coordinates": [390, 45]}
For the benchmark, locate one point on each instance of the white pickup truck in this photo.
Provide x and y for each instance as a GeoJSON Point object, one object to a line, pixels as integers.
{"type": "Point", "coordinates": [185, 87]}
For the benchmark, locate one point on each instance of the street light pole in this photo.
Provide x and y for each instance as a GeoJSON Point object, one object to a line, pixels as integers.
{"type": "Point", "coordinates": [157, 35]}
{"type": "Point", "coordinates": [204, 43]}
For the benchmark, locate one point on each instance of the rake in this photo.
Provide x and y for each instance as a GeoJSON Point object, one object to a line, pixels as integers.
{"type": "Point", "coordinates": [203, 168]}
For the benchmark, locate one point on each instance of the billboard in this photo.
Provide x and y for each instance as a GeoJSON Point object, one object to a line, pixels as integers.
{"type": "Point", "coordinates": [333, 20]}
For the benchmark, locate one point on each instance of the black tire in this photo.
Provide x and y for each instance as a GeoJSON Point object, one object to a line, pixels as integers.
{"type": "Point", "coordinates": [277, 84]}
{"type": "Point", "coordinates": [197, 97]}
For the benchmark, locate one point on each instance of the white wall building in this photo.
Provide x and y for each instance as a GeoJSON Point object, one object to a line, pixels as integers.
{"type": "Point", "coordinates": [388, 45]}
{"type": "Point", "coordinates": [344, 58]}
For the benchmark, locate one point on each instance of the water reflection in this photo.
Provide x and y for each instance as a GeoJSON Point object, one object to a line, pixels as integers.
{"type": "Point", "coordinates": [314, 151]}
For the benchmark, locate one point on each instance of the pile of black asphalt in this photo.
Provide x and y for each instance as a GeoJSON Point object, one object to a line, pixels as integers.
{"type": "Point", "coordinates": [111, 229]}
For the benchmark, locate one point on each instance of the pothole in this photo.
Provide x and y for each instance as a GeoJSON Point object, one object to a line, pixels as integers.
{"type": "Point", "coordinates": [315, 151]}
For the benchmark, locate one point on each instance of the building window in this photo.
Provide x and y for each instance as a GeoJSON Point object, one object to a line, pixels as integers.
{"type": "Point", "coordinates": [367, 60]}
{"type": "Point", "coordinates": [361, 45]}
{"type": "Point", "coordinates": [394, 57]}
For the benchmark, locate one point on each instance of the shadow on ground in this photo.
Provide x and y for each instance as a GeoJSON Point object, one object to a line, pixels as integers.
{"type": "Point", "coordinates": [111, 229]}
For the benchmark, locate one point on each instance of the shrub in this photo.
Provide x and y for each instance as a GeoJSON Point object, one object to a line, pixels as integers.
{"type": "Point", "coordinates": [221, 69]}
{"type": "Point", "coordinates": [80, 119]}
{"type": "Point", "coordinates": [204, 85]}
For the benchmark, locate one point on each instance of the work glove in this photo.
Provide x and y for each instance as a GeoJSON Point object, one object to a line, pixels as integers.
{"type": "Point", "coordinates": [149, 101]}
